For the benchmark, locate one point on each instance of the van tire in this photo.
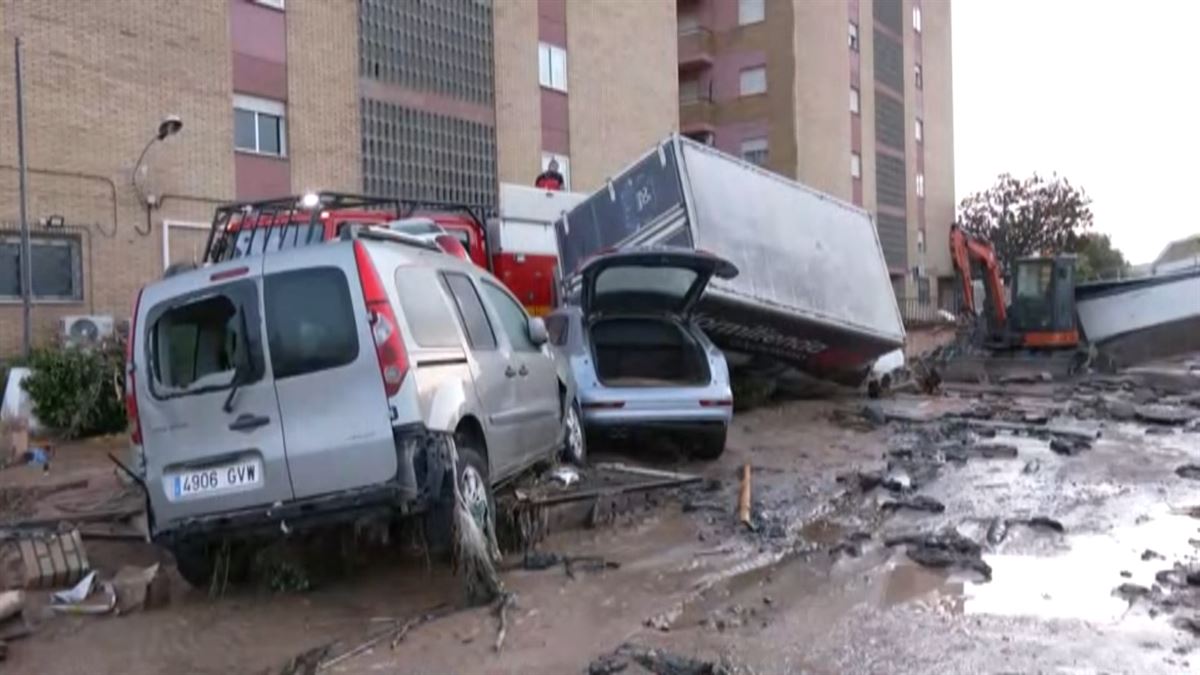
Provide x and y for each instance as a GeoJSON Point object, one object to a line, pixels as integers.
{"type": "Point", "coordinates": [195, 564]}
{"type": "Point", "coordinates": [710, 444]}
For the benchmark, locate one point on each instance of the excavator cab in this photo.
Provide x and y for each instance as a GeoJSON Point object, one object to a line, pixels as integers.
{"type": "Point", "coordinates": [1042, 309]}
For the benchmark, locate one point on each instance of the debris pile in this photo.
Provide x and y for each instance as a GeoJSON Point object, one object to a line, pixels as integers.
{"type": "Point", "coordinates": [945, 549]}
{"type": "Point", "coordinates": [656, 661]}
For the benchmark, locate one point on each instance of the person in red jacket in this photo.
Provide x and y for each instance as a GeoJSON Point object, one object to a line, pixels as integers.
{"type": "Point", "coordinates": [550, 179]}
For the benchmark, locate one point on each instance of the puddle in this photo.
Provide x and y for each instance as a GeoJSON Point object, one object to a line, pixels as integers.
{"type": "Point", "coordinates": [1075, 582]}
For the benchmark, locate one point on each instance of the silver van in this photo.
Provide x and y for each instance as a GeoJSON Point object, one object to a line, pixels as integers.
{"type": "Point", "coordinates": [312, 384]}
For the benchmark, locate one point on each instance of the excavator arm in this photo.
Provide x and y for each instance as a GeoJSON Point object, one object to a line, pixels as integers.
{"type": "Point", "coordinates": [963, 249]}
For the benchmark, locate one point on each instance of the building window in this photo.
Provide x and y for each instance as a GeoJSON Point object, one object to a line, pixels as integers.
{"type": "Point", "coordinates": [754, 150]}
{"type": "Point", "coordinates": [918, 76]}
{"type": "Point", "coordinates": [751, 11]}
{"type": "Point", "coordinates": [259, 126]}
{"type": "Point", "coordinates": [753, 81]}
{"type": "Point", "coordinates": [57, 267]}
{"type": "Point", "coordinates": [552, 66]}
{"type": "Point", "coordinates": [917, 18]}
{"type": "Point", "coordinates": [920, 185]}
{"type": "Point", "coordinates": [853, 36]}
{"type": "Point", "coordinates": [854, 100]}
{"type": "Point", "coordinates": [923, 290]}
{"type": "Point", "coordinates": [564, 167]}
{"type": "Point", "coordinates": [855, 165]}
{"type": "Point", "coordinates": [919, 130]}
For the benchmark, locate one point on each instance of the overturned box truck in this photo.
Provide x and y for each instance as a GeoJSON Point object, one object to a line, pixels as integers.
{"type": "Point", "coordinates": [813, 301]}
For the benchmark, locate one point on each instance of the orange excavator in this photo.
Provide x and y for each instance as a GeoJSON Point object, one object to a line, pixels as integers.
{"type": "Point", "coordinates": [1041, 312]}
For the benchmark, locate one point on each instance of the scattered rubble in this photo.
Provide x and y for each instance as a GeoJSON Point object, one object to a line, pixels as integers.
{"type": "Point", "coordinates": [1191, 471]}
{"type": "Point", "coordinates": [1164, 414]}
{"type": "Point", "coordinates": [944, 549]}
{"type": "Point", "coordinates": [657, 661]}
{"type": "Point", "coordinates": [39, 559]}
{"type": "Point", "coordinates": [1069, 448]}
{"type": "Point", "coordinates": [916, 503]}
{"type": "Point", "coordinates": [539, 560]}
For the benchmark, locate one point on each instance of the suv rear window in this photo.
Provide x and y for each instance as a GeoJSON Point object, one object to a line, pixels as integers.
{"type": "Point", "coordinates": [310, 323]}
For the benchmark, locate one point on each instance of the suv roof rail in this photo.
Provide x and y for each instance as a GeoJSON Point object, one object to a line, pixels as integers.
{"type": "Point", "coordinates": [236, 225]}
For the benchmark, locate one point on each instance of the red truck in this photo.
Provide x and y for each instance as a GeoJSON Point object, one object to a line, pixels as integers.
{"type": "Point", "coordinates": [517, 244]}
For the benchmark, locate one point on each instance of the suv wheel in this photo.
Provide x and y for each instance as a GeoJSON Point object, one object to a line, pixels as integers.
{"type": "Point", "coordinates": [473, 485]}
{"type": "Point", "coordinates": [709, 444]}
{"type": "Point", "coordinates": [476, 489]}
{"type": "Point", "coordinates": [574, 438]}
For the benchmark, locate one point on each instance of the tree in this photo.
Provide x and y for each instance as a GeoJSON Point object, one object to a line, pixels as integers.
{"type": "Point", "coordinates": [1026, 217]}
{"type": "Point", "coordinates": [1097, 257]}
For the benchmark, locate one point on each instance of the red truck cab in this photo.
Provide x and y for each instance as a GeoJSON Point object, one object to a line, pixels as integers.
{"type": "Point", "coordinates": [518, 246]}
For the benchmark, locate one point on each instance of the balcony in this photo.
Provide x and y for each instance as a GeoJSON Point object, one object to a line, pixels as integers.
{"type": "Point", "coordinates": [695, 49]}
{"type": "Point", "coordinates": [697, 112]}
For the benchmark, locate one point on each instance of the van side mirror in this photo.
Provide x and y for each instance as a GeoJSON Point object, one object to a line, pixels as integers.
{"type": "Point", "coordinates": [537, 331]}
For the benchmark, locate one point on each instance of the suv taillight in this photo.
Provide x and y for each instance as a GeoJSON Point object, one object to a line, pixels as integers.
{"type": "Point", "coordinates": [393, 359]}
{"type": "Point", "coordinates": [131, 405]}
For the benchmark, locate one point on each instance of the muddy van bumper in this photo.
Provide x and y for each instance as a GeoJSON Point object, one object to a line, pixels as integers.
{"type": "Point", "coordinates": [422, 464]}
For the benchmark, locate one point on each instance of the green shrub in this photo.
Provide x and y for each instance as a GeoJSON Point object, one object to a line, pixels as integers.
{"type": "Point", "coordinates": [79, 391]}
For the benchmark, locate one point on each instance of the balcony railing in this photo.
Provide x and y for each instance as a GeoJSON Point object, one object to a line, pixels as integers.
{"type": "Point", "coordinates": [695, 49]}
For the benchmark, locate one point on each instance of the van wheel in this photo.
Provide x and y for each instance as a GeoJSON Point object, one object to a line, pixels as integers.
{"type": "Point", "coordinates": [574, 439]}
{"type": "Point", "coordinates": [710, 444]}
{"type": "Point", "coordinates": [195, 563]}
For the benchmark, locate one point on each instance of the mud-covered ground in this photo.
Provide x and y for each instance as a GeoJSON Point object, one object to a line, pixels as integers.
{"type": "Point", "coordinates": [1064, 558]}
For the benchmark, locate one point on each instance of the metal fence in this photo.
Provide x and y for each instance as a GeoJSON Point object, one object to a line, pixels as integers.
{"type": "Point", "coordinates": [923, 312]}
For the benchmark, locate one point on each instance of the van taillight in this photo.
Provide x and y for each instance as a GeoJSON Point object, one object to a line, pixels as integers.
{"type": "Point", "coordinates": [389, 347]}
{"type": "Point", "coordinates": [131, 405]}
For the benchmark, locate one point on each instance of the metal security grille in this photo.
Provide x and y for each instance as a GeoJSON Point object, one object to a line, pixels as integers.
{"type": "Point", "coordinates": [889, 61]}
{"type": "Point", "coordinates": [890, 13]}
{"type": "Point", "coordinates": [890, 186]}
{"type": "Point", "coordinates": [889, 121]}
{"type": "Point", "coordinates": [893, 237]}
{"type": "Point", "coordinates": [443, 46]}
{"type": "Point", "coordinates": [415, 154]}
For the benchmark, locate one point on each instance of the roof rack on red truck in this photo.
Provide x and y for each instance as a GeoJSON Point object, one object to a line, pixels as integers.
{"type": "Point", "coordinates": [244, 228]}
{"type": "Point", "coordinates": [518, 246]}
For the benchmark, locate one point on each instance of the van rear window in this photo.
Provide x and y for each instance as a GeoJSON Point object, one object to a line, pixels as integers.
{"type": "Point", "coordinates": [310, 323]}
{"type": "Point", "coordinates": [195, 345]}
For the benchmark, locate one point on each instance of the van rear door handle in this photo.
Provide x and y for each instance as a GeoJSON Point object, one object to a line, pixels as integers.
{"type": "Point", "coordinates": [247, 422]}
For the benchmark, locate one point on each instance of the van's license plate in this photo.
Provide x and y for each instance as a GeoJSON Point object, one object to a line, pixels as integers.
{"type": "Point", "coordinates": [217, 479]}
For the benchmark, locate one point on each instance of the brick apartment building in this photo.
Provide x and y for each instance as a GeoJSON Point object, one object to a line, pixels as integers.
{"type": "Point", "coordinates": [436, 99]}
{"type": "Point", "coordinates": [852, 97]}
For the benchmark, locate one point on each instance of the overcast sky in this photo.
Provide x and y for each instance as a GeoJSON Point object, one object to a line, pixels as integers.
{"type": "Point", "coordinates": [1106, 93]}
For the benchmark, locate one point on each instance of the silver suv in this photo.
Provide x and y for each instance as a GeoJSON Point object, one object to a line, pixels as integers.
{"type": "Point", "coordinates": [312, 384]}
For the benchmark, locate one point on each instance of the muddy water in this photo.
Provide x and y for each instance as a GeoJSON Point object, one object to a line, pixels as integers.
{"type": "Point", "coordinates": [776, 604]}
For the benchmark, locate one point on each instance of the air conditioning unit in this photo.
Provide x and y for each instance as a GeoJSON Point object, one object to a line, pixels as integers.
{"type": "Point", "coordinates": [86, 330]}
